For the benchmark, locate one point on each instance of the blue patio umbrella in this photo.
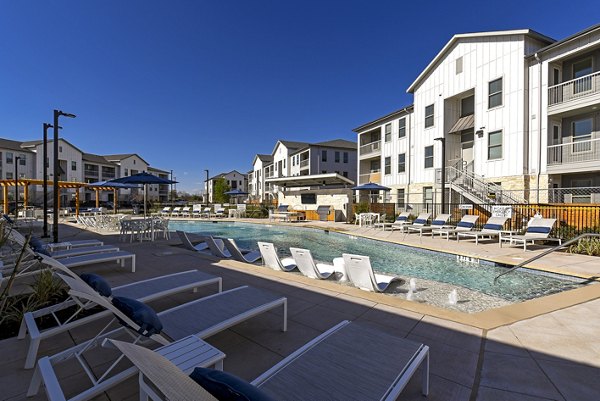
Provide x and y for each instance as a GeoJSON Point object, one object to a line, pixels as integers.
{"type": "Point", "coordinates": [236, 192]}
{"type": "Point", "coordinates": [370, 186]}
{"type": "Point", "coordinates": [143, 178]}
{"type": "Point", "coordinates": [106, 184]}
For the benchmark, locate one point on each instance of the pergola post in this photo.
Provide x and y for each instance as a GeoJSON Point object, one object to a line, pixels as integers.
{"type": "Point", "coordinates": [77, 202]}
{"type": "Point", "coordinates": [115, 200]}
{"type": "Point", "coordinates": [97, 198]}
{"type": "Point", "coordinates": [26, 194]}
{"type": "Point", "coordinates": [5, 194]}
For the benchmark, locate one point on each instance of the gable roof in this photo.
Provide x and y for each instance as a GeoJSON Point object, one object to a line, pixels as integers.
{"type": "Point", "coordinates": [387, 117]}
{"type": "Point", "coordinates": [13, 145]}
{"type": "Point", "coordinates": [338, 143]}
{"type": "Point", "coordinates": [89, 157]}
{"type": "Point", "coordinates": [290, 145]}
{"type": "Point", "coordinates": [115, 158]}
{"type": "Point", "coordinates": [458, 37]}
{"type": "Point", "coordinates": [569, 38]}
{"type": "Point", "coordinates": [263, 158]}
{"type": "Point", "coordinates": [32, 144]}
{"type": "Point", "coordinates": [224, 174]}
{"type": "Point", "coordinates": [157, 170]}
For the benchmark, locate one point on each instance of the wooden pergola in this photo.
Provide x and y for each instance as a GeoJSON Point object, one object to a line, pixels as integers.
{"type": "Point", "coordinates": [26, 183]}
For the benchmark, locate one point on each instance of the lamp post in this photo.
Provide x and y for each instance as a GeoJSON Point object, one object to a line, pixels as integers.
{"type": "Point", "coordinates": [443, 142]}
{"type": "Point", "coordinates": [45, 174]}
{"type": "Point", "coordinates": [171, 191]}
{"type": "Point", "coordinates": [57, 113]}
{"type": "Point", "coordinates": [17, 186]}
{"type": "Point", "coordinates": [206, 193]}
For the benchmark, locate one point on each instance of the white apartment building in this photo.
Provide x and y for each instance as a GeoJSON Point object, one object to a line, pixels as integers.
{"type": "Point", "coordinates": [510, 129]}
{"type": "Point", "coordinates": [74, 165]}
{"type": "Point", "coordinates": [235, 180]}
{"type": "Point", "coordinates": [292, 158]}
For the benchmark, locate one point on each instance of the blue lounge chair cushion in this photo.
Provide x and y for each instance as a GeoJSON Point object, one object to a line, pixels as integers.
{"type": "Point", "coordinates": [98, 283]}
{"type": "Point", "coordinates": [38, 246]}
{"type": "Point", "coordinates": [496, 227]}
{"type": "Point", "coordinates": [141, 314]}
{"type": "Point", "coordinates": [541, 230]}
{"type": "Point", "coordinates": [465, 224]}
{"type": "Point", "coordinates": [420, 221]}
{"type": "Point", "coordinates": [225, 386]}
{"type": "Point", "coordinates": [438, 223]}
{"type": "Point", "coordinates": [8, 219]}
{"type": "Point", "coordinates": [282, 208]}
{"type": "Point", "coordinates": [402, 218]}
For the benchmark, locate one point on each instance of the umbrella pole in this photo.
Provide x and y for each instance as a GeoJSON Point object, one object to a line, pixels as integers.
{"type": "Point", "coordinates": [145, 187]}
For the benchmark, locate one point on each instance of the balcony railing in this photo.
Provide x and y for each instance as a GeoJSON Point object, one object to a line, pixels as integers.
{"type": "Point", "coordinates": [370, 148]}
{"type": "Point", "coordinates": [374, 176]}
{"type": "Point", "coordinates": [304, 163]}
{"type": "Point", "coordinates": [90, 173]}
{"type": "Point", "coordinates": [578, 151]}
{"type": "Point", "coordinates": [574, 89]}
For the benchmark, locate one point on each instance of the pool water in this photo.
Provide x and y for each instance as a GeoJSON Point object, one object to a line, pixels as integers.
{"type": "Point", "coordinates": [390, 258]}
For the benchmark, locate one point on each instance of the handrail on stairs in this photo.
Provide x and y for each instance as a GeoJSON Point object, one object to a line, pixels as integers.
{"type": "Point", "coordinates": [536, 257]}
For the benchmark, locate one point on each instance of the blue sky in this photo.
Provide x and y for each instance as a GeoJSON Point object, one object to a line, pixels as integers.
{"type": "Point", "coordinates": [194, 85]}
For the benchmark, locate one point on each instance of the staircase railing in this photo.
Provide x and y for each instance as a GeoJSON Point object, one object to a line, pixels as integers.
{"type": "Point", "coordinates": [536, 257]}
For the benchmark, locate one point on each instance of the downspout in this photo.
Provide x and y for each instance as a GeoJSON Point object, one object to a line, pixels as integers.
{"type": "Point", "coordinates": [539, 127]}
{"type": "Point", "coordinates": [408, 169]}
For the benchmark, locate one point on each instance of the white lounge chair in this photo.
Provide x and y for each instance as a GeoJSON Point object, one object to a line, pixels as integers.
{"type": "Point", "coordinates": [309, 268]}
{"type": "Point", "coordinates": [333, 354]}
{"type": "Point", "coordinates": [197, 210]}
{"type": "Point", "coordinates": [145, 290]}
{"type": "Point", "coordinates": [360, 273]}
{"type": "Point", "coordinates": [185, 212]}
{"type": "Point", "coordinates": [176, 212]}
{"type": "Point", "coordinates": [537, 230]}
{"type": "Point", "coordinates": [187, 243]}
{"type": "Point", "coordinates": [401, 220]}
{"type": "Point", "coordinates": [166, 211]}
{"type": "Point", "coordinates": [438, 222]}
{"type": "Point", "coordinates": [203, 318]}
{"type": "Point", "coordinates": [492, 228]}
{"type": "Point", "coordinates": [465, 224]}
{"type": "Point", "coordinates": [420, 221]}
{"type": "Point", "coordinates": [270, 258]}
{"type": "Point", "coordinates": [67, 253]}
{"type": "Point", "coordinates": [236, 253]}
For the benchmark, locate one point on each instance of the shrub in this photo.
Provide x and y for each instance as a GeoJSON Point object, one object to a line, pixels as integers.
{"type": "Point", "coordinates": [586, 246]}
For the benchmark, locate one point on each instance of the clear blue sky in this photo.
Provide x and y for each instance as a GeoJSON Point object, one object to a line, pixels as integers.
{"type": "Point", "coordinates": [193, 85]}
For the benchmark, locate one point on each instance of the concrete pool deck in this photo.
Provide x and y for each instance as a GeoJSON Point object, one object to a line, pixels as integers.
{"type": "Point", "coordinates": [544, 349]}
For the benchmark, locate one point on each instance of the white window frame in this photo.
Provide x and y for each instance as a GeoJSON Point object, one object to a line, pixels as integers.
{"type": "Point", "coordinates": [500, 93]}
{"type": "Point", "coordinates": [426, 158]}
{"type": "Point", "coordinates": [388, 132]}
{"type": "Point", "coordinates": [387, 165]}
{"type": "Point", "coordinates": [431, 116]}
{"type": "Point", "coordinates": [501, 145]}
{"type": "Point", "coordinates": [403, 163]}
{"type": "Point", "coordinates": [402, 127]}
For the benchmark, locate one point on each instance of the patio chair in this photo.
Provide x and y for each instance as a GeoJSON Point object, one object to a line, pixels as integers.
{"type": "Point", "coordinates": [537, 230]}
{"type": "Point", "coordinates": [166, 211]}
{"type": "Point", "coordinates": [185, 212]}
{"type": "Point", "coordinates": [360, 273]}
{"type": "Point", "coordinates": [220, 212]}
{"type": "Point", "coordinates": [309, 268]}
{"type": "Point", "coordinates": [202, 318]}
{"type": "Point", "coordinates": [144, 290]}
{"type": "Point", "coordinates": [205, 212]}
{"type": "Point", "coordinates": [465, 224]}
{"type": "Point", "coordinates": [176, 212]}
{"type": "Point", "coordinates": [492, 228]}
{"type": "Point", "coordinates": [438, 222]}
{"type": "Point", "coordinates": [196, 210]}
{"type": "Point", "coordinates": [217, 207]}
{"type": "Point", "coordinates": [270, 258]}
{"type": "Point", "coordinates": [51, 247]}
{"type": "Point", "coordinates": [401, 220]}
{"type": "Point", "coordinates": [420, 221]}
{"type": "Point", "coordinates": [236, 253]}
{"type": "Point", "coordinates": [187, 243]}
{"type": "Point", "coordinates": [38, 246]}
{"type": "Point", "coordinates": [333, 354]}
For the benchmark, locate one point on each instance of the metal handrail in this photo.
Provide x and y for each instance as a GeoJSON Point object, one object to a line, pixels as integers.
{"type": "Point", "coordinates": [536, 257]}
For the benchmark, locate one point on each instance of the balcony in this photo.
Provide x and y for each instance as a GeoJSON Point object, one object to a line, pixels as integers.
{"type": "Point", "coordinates": [573, 94]}
{"type": "Point", "coordinates": [370, 150]}
{"type": "Point", "coordinates": [304, 163]}
{"type": "Point", "coordinates": [574, 156]}
{"type": "Point", "coordinates": [373, 176]}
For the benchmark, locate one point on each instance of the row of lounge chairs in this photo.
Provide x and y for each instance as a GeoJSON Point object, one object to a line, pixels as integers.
{"type": "Point", "coordinates": [330, 353]}
{"type": "Point", "coordinates": [538, 228]}
{"type": "Point", "coordinates": [186, 211]}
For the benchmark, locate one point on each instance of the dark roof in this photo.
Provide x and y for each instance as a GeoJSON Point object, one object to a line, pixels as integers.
{"type": "Point", "coordinates": [224, 174]}
{"type": "Point", "coordinates": [123, 156]}
{"type": "Point", "coordinates": [569, 38]}
{"type": "Point", "coordinates": [157, 170]}
{"type": "Point", "coordinates": [265, 158]}
{"type": "Point", "coordinates": [381, 120]}
{"type": "Point", "coordinates": [13, 145]}
{"type": "Point", "coordinates": [94, 158]}
{"type": "Point", "coordinates": [32, 144]}
{"type": "Point", "coordinates": [291, 144]}
{"type": "Point", "coordinates": [338, 143]}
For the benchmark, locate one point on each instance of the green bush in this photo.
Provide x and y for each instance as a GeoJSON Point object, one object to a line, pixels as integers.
{"type": "Point", "coordinates": [586, 246]}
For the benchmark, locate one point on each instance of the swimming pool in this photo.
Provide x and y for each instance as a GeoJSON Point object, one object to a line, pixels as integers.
{"type": "Point", "coordinates": [390, 258]}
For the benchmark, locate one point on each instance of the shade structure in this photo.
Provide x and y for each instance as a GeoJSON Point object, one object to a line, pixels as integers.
{"type": "Point", "coordinates": [370, 186]}
{"type": "Point", "coordinates": [235, 193]}
{"type": "Point", "coordinates": [143, 178]}
{"type": "Point", "coordinates": [108, 184]}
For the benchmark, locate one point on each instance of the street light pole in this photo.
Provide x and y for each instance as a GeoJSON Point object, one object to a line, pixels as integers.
{"type": "Point", "coordinates": [206, 193]}
{"type": "Point", "coordinates": [17, 186]}
{"type": "Point", "coordinates": [443, 141]}
{"type": "Point", "coordinates": [171, 191]}
{"type": "Point", "coordinates": [57, 113]}
{"type": "Point", "coordinates": [45, 174]}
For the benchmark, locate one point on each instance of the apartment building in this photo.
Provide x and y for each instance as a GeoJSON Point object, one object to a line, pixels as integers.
{"type": "Point", "coordinates": [74, 165]}
{"type": "Point", "coordinates": [512, 115]}
{"type": "Point", "coordinates": [234, 179]}
{"type": "Point", "coordinates": [292, 158]}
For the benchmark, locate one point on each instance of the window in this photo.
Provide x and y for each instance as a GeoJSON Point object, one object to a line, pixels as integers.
{"type": "Point", "coordinates": [581, 69]}
{"type": "Point", "coordinates": [401, 162]}
{"type": "Point", "coordinates": [582, 133]}
{"type": "Point", "coordinates": [495, 93]}
{"type": "Point", "coordinates": [459, 65]}
{"type": "Point", "coordinates": [345, 157]}
{"type": "Point", "coordinates": [495, 145]}
{"type": "Point", "coordinates": [308, 199]}
{"type": "Point", "coordinates": [429, 116]}
{"type": "Point", "coordinates": [337, 157]}
{"type": "Point", "coordinates": [402, 128]}
{"type": "Point", "coordinates": [345, 174]}
{"type": "Point", "coordinates": [73, 165]}
{"type": "Point", "coordinates": [388, 165]}
{"type": "Point", "coordinates": [60, 149]}
{"type": "Point", "coordinates": [428, 156]}
{"type": "Point", "coordinates": [9, 175]}
{"type": "Point", "coordinates": [126, 172]}
{"type": "Point", "coordinates": [9, 157]}
{"type": "Point", "coordinates": [323, 155]}
{"type": "Point", "coordinates": [428, 195]}
{"type": "Point", "coordinates": [293, 161]}
{"type": "Point", "coordinates": [400, 198]}
{"type": "Point", "coordinates": [467, 106]}
{"type": "Point", "coordinates": [388, 132]}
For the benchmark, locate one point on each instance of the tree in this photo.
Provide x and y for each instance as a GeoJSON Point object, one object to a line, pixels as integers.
{"type": "Point", "coordinates": [220, 186]}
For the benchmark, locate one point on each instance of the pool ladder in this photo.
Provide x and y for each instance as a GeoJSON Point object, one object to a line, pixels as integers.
{"type": "Point", "coordinates": [536, 257]}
